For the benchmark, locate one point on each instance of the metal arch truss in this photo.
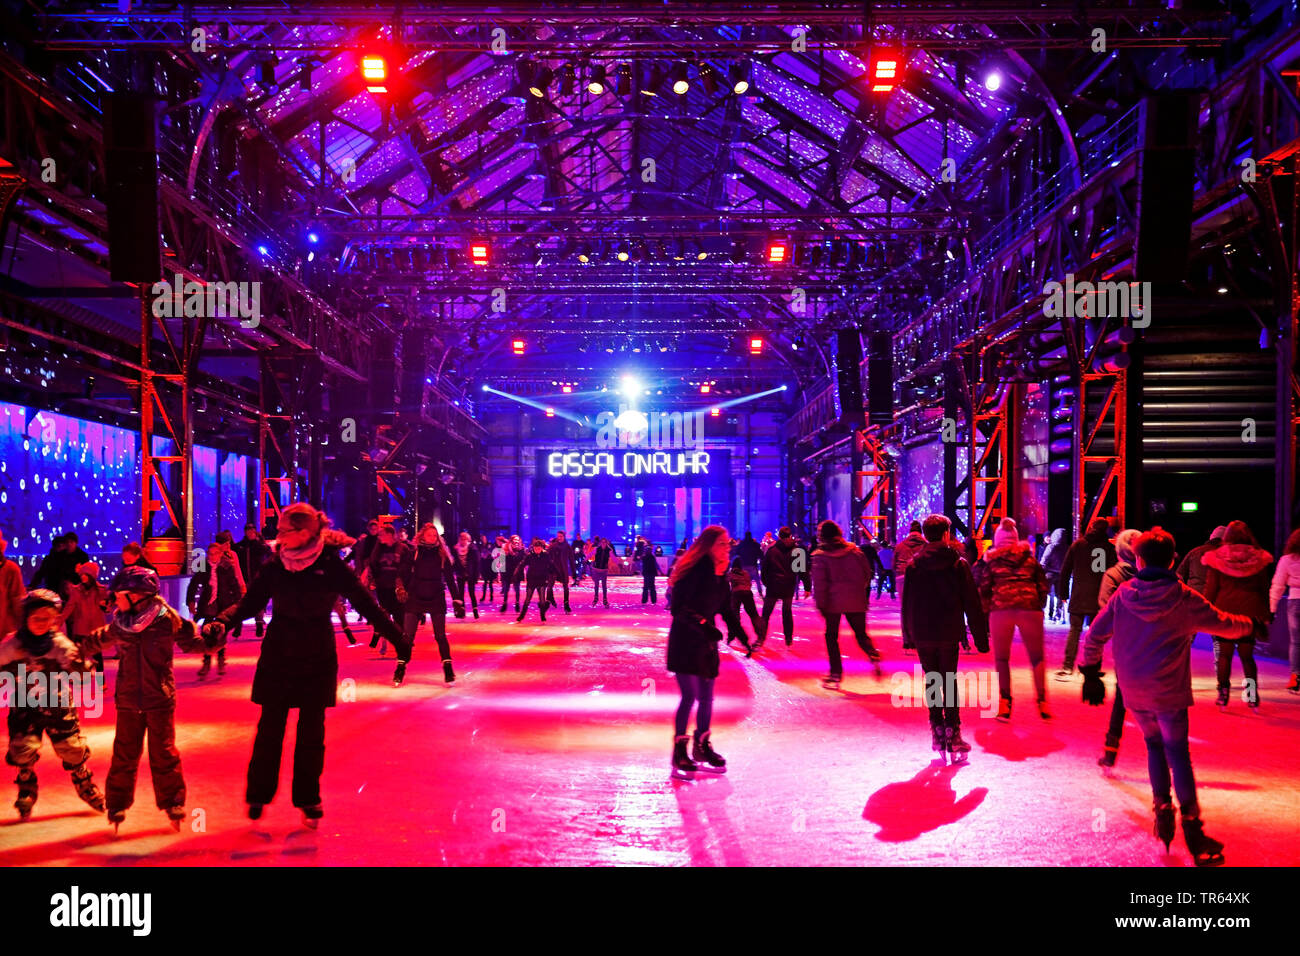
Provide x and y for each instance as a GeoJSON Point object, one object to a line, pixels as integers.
{"type": "Point", "coordinates": [873, 486]}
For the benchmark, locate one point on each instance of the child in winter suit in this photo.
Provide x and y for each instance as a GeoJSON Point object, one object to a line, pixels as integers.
{"type": "Point", "coordinates": [40, 647]}
{"type": "Point", "coordinates": [1153, 619]}
{"type": "Point", "coordinates": [145, 627]}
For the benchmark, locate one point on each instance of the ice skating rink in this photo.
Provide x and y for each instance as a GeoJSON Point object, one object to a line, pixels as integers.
{"type": "Point", "coordinates": [553, 747]}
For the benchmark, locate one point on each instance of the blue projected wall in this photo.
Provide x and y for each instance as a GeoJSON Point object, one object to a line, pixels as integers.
{"type": "Point", "coordinates": [59, 473]}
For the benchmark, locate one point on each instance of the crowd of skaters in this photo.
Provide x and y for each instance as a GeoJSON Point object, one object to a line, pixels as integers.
{"type": "Point", "coordinates": [1110, 584]}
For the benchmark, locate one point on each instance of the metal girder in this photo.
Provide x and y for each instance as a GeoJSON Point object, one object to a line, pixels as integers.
{"type": "Point", "coordinates": [873, 487]}
{"type": "Point", "coordinates": [290, 466]}
{"type": "Point", "coordinates": [991, 443]}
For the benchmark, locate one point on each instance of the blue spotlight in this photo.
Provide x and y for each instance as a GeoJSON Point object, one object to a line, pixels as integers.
{"type": "Point", "coordinates": [313, 237]}
{"type": "Point", "coordinates": [262, 249]}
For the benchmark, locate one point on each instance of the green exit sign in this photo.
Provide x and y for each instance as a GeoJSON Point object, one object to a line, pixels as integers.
{"type": "Point", "coordinates": [1189, 506]}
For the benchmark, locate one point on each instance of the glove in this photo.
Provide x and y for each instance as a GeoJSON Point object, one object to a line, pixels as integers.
{"type": "Point", "coordinates": [402, 595]}
{"type": "Point", "coordinates": [212, 633]}
{"type": "Point", "coordinates": [1094, 691]}
{"type": "Point", "coordinates": [458, 608]}
{"type": "Point", "coordinates": [965, 644]}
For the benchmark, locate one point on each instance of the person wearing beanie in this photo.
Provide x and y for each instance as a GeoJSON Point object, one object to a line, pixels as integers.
{"type": "Point", "coordinates": [537, 569]}
{"type": "Point", "coordinates": [1237, 580]}
{"type": "Point", "coordinates": [1085, 564]}
{"type": "Point", "coordinates": [214, 588]}
{"type": "Point", "coordinates": [841, 578]}
{"type": "Point", "coordinates": [1013, 590]}
{"type": "Point", "coordinates": [939, 602]}
{"type": "Point", "coordinates": [1286, 582]}
{"type": "Point", "coordinates": [1051, 559]}
{"type": "Point", "coordinates": [1152, 620]}
{"type": "Point", "coordinates": [145, 628]}
{"type": "Point", "coordinates": [38, 648]}
{"type": "Point", "coordinates": [298, 667]}
{"type": "Point", "coordinates": [1125, 569]}
{"type": "Point", "coordinates": [84, 612]}
{"type": "Point", "coordinates": [1192, 571]}
{"type": "Point", "coordinates": [12, 591]}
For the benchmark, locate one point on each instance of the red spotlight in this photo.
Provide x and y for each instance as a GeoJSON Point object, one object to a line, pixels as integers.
{"type": "Point", "coordinates": [755, 346]}
{"type": "Point", "coordinates": [567, 389]}
{"type": "Point", "coordinates": [550, 413]}
{"type": "Point", "coordinates": [374, 71]}
{"type": "Point", "coordinates": [478, 251]}
{"type": "Point", "coordinates": [715, 412]}
{"type": "Point", "coordinates": [776, 252]}
{"type": "Point", "coordinates": [704, 389]}
{"type": "Point", "coordinates": [518, 345]}
{"type": "Point", "coordinates": [884, 72]}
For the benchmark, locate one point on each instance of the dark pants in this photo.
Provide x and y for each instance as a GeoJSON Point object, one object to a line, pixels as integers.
{"type": "Point", "coordinates": [1168, 753]}
{"type": "Point", "coordinates": [885, 581]}
{"type": "Point", "coordinates": [939, 662]}
{"type": "Point", "coordinates": [308, 756]}
{"type": "Point", "coordinates": [694, 689]}
{"type": "Point", "coordinates": [599, 583]}
{"type": "Point", "coordinates": [755, 577]}
{"type": "Point", "coordinates": [1117, 712]}
{"type": "Point", "coordinates": [387, 598]}
{"type": "Point", "coordinates": [27, 725]}
{"type": "Point", "coordinates": [1077, 622]}
{"type": "Point", "coordinates": [770, 601]}
{"type": "Point", "coordinates": [505, 594]}
{"type": "Point", "coordinates": [470, 585]}
{"type": "Point", "coordinates": [164, 759]}
{"type": "Point", "coordinates": [858, 622]}
{"type": "Point", "coordinates": [1223, 651]}
{"type": "Point", "coordinates": [648, 592]}
{"type": "Point", "coordinates": [411, 623]}
{"type": "Point", "coordinates": [488, 590]}
{"type": "Point", "coordinates": [550, 590]}
{"type": "Point", "coordinates": [542, 602]}
{"type": "Point", "coordinates": [744, 600]}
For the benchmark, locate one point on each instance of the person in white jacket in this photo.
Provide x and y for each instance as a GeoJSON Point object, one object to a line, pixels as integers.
{"type": "Point", "coordinates": [1286, 583]}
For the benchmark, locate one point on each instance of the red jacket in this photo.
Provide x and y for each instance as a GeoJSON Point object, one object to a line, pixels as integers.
{"type": "Point", "coordinates": [1012, 580]}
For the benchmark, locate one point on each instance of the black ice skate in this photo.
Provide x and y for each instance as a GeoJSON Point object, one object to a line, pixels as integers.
{"type": "Point", "coordinates": [939, 741]}
{"type": "Point", "coordinates": [1004, 710]}
{"type": "Point", "coordinates": [205, 667]}
{"type": "Point", "coordinates": [84, 781]}
{"type": "Point", "coordinates": [255, 811]}
{"type": "Point", "coordinates": [448, 675]}
{"type": "Point", "coordinates": [221, 663]}
{"type": "Point", "coordinates": [352, 641]}
{"type": "Point", "coordinates": [1043, 712]}
{"type": "Point", "coordinates": [1206, 851]}
{"type": "Point", "coordinates": [399, 674]}
{"type": "Point", "coordinates": [1108, 755]}
{"type": "Point", "coordinates": [1164, 828]}
{"type": "Point", "coordinates": [1222, 699]}
{"type": "Point", "coordinates": [28, 788]}
{"type": "Point", "coordinates": [116, 817]}
{"type": "Point", "coordinates": [958, 749]}
{"type": "Point", "coordinates": [262, 627]}
{"type": "Point", "coordinates": [832, 681]}
{"type": "Point", "coordinates": [705, 757]}
{"type": "Point", "coordinates": [311, 816]}
{"type": "Point", "coordinates": [684, 768]}
{"type": "Point", "coordinates": [174, 816]}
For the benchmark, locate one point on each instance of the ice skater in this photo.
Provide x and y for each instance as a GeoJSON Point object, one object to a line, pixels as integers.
{"type": "Point", "coordinates": [145, 629]}
{"type": "Point", "coordinates": [649, 572]}
{"type": "Point", "coordinates": [1153, 620]}
{"type": "Point", "coordinates": [466, 570]}
{"type": "Point", "coordinates": [1125, 568]}
{"type": "Point", "coordinates": [538, 570]}
{"type": "Point", "coordinates": [513, 558]}
{"type": "Point", "coordinates": [427, 575]}
{"type": "Point", "coordinates": [1013, 589]}
{"type": "Point", "coordinates": [216, 589]}
{"type": "Point", "coordinates": [779, 581]}
{"type": "Point", "coordinates": [601, 553]}
{"type": "Point", "coordinates": [41, 648]}
{"type": "Point", "coordinates": [298, 668]}
{"type": "Point", "coordinates": [699, 594]}
{"type": "Point", "coordinates": [1237, 580]}
{"type": "Point", "coordinates": [742, 596]}
{"type": "Point", "coordinates": [939, 602]}
{"type": "Point", "coordinates": [841, 584]}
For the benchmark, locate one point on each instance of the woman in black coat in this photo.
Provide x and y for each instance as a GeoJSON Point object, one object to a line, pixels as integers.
{"type": "Point", "coordinates": [699, 594]}
{"type": "Point", "coordinates": [514, 557]}
{"type": "Point", "coordinates": [299, 665]}
{"type": "Point", "coordinates": [465, 559]}
{"type": "Point", "coordinates": [424, 579]}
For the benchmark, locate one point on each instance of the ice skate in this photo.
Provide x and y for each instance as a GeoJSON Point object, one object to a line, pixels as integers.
{"type": "Point", "coordinates": [399, 674]}
{"type": "Point", "coordinates": [1222, 699]}
{"type": "Point", "coordinates": [352, 641]}
{"type": "Point", "coordinates": [1066, 672]}
{"type": "Point", "coordinates": [1164, 828]}
{"type": "Point", "coordinates": [311, 816]}
{"type": "Point", "coordinates": [221, 663]}
{"type": "Point", "coordinates": [1205, 850]}
{"type": "Point", "coordinates": [705, 757]}
{"type": "Point", "coordinates": [684, 768]}
{"type": "Point", "coordinates": [448, 675]}
{"type": "Point", "coordinates": [84, 781]}
{"type": "Point", "coordinates": [832, 681]}
{"type": "Point", "coordinates": [1043, 710]}
{"type": "Point", "coordinates": [261, 628]}
{"type": "Point", "coordinates": [28, 788]}
{"type": "Point", "coordinates": [939, 741]}
{"type": "Point", "coordinates": [1111, 751]}
{"type": "Point", "coordinates": [175, 815]}
{"type": "Point", "coordinates": [255, 811]}
{"type": "Point", "coordinates": [115, 817]}
{"type": "Point", "coordinates": [205, 667]}
{"type": "Point", "coordinates": [958, 749]}
{"type": "Point", "coordinates": [1294, 685]}
{"type": "Point", "coordinates": [1004, 710]}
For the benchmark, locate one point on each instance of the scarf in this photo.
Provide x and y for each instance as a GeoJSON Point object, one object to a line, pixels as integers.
{"type": "Point", "coordinates": [300, 559]}
{"type": "Point", "coordinates": [139, 617]}
{"type": "Point", "coordinates": [462, 549]}
{"type": "Point", "coordinates": [37, 645]}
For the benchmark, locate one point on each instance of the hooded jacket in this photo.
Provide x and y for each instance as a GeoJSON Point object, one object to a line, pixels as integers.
{"type": "Point", "coordinates": [1081, 569]}
{"type": "Point", "coordinates": [906, 552]}
{"type": "Point", "coordinates": [145, 678]}
{"type": "Point", "coordinates": [777, 572]}
{"type": "Point", "coordinates": [1153, 619]}
{"type": "Point", "coordinates": [1286, 581]}
{"type": "Point", "coordinates": [1192, 571]}
{"type": "Point", "coordinates": [1237, 579]}
{"type": "Point", "coordinates": [1115, 577]}
{"type": "Point", "coordinates": [940, 599]}
{"type": "Point", "coordinates": [840, 575]}
{"type": "Point", "coordinates": [1012, 580]}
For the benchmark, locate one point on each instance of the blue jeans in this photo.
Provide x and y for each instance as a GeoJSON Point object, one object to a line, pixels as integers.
{"type": "Point", "coordinates": [1167, 752]}
{"type": "Point", "coordinates": [1293, 625]}
{"type": "Point", "coordinates": [694, 689]}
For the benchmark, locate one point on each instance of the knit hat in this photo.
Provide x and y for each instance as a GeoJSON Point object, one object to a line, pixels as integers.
{"type": "Point", "coordinates": [1006, 534]}
{"type": "Point", "coordinates": [1219, 532]}
{"type": "Point", "coordinates": [89, 567]}
{"type": "Point", "coordinates": [1124, 542]}
{"type": "Point", "coordinates": [136, 580]}
{"type": "Point", "coordinates": [38, 598]}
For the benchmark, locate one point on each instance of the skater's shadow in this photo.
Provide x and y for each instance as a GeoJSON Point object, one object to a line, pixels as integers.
{"type": "Point", "coordinates": [1003, 741]}
{"type": "Point", "coordinates": [702, 802]}
{"type": "Point", "coordinates": [904, 811]}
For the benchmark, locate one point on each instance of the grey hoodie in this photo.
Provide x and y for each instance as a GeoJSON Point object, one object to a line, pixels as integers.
{"type": "Point", "coordinates": [1154, 618]}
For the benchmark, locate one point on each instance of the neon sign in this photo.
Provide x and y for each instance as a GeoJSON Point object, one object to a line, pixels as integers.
{"type": "Point", "coordinates": [631, 464]}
